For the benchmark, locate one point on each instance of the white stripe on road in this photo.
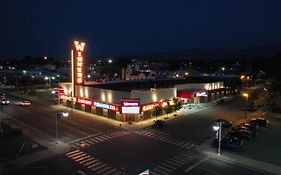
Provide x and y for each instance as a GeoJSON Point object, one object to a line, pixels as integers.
{"type": "Point", "coordinates": [81, 172]}
{"type": "Point", "coordinates": [196, 164]}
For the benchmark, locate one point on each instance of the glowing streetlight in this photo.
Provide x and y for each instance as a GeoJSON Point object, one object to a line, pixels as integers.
{"type": "Point", "coordinates": [246, 95]}
{"type": "Point", "coordinates": [217, 128]}
{"type": "Point", "coordinates": [58, 116]}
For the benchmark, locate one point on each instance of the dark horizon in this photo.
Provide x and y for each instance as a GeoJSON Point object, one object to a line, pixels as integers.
{"type": "Point", "coordinates": [133, 28]}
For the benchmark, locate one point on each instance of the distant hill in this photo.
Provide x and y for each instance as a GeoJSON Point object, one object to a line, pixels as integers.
{"type": "Point", "coordinates": [267, 50]}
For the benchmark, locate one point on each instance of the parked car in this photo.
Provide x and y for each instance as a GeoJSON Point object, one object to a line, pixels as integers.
{"type": "Point", "coordinates": [4, 101]}
{"type": "Point", "coordinates": [243, 128]}
{"type": "Point", "coordinates": [262, 122]}
{"type": "Point", "coordinates": [229, 143]}
{"type": "Point", "coordinates": [221, 101]}
{"type": "Point", "coordinates": [225, 123]}
{"type": "Point", "coordinates": [251, 126]}
{"type": "Point", "coordinates": [240, 134]}
{"type": "Point", "coordinates": [24, 103]}
{"type": "Point", "coordinates": [158, 124]}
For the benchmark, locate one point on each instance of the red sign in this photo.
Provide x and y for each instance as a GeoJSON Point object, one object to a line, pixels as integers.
{"type": "Point", "coordinates": [78, 63]}
{"type": "Point", "coordinates": [149, 107]}
{"type": "Point", "coordinates": [84, 101]}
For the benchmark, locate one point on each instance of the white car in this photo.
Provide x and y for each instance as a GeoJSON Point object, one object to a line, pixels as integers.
{"type": "Point", "coordinates": [25, 103]}
{"type": "Point", "coordinates": [4, 101]}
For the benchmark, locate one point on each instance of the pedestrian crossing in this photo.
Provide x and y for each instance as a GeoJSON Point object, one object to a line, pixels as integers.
{"type": "Point", "coordinates": [170, 166]}
{"type": "Point", "coordinates": [95, 165]}
{"type": "Point", "coordinates": [167, 139]}
{"type": "Point", "coordinates": [83, 143]}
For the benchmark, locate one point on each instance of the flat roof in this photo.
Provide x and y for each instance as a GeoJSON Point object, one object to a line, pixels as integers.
{"type": "Point", "coordinates": [129, 85]}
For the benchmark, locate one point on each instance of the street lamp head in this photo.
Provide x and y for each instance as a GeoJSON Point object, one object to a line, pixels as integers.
{"type": "Point", "coordinates": [216, 127]}
{"type": "Point", "coordinates": [46, 78]}
{"type": "Point", "coordinates": [245, 95]}
{"type": "Point", "coordinates": [65, 114]}
{"type": "Point", "coordinates": [53, 78]}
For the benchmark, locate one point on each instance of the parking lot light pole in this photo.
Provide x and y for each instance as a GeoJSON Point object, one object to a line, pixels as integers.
{"type": "Point", "coordinates": [218, 128]}
{"type": "Point", "coordinates": [58, 116]}
{"type": "Point", "coordinates": [246, 102]}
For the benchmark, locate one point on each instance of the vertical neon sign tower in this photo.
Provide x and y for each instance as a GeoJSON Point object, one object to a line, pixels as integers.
{"type": "Point", "coordinates": [77, 65]}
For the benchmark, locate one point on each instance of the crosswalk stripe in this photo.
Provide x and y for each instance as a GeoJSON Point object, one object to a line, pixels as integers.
{"type": "Point", "coordinates": [190, 146]}
{"type": "Point", "coordinates": [99, 167]}
{"type": "Point", "coordinates": [185, 145]}
{"type": "Point", "coordinates": [173, 163]}
{"type": "Point", "coordinates": [168, 165]}
{"type": "Point", "coordinates": [87, 160]}
{"type": "Point", "coordinates": [72, 152]}
{"type": "Point", "coordinates": [163, 168]}
{"type": "Point", "coordinates": [183, 159]}
{"type": "Point", "coordinates": [165, 140]}
{"type": "Point", "coordinates": [95, 164]}
{"type": "Point", "coordinates": [187, 155]}
{"type": "Point", "coordinates": [109, 172]}
{"type": "Point", "coordinates": [83, 158]}
{"type": "Point", "coordinates": [177, 161]}
{"type": "Point", "coordinates": [79, 156]}
{"type": "Point", "coordinates": [153, 173]}
{"type": "Point", "coordinates": [160, 171]}
{"type": "Point", "coordinates": [93, 140]}
{"type": "Point", "coordinates": [103, 170]}
{"type": "Point", "coordinates": [76, 154]}
{"type": "Point", "coordinates": [90, 163]}
{"type": "Point", "coordinates": [182, 142]}
{"type": "Point", "coordinates": [89, 142]}
{"type": "Point", "coordinates": [99, 139]}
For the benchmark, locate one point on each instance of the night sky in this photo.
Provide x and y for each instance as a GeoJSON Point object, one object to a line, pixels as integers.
{"type": "Point", "coordinates": [109, 27]}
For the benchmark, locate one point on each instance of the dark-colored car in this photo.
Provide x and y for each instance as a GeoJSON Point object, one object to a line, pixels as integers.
{"type": "Point", "coordinates": [221, 101]}
{"type": "Point", "coordinates": [262, 122]}
{"type": "Point", "coordinates": [224, 123]}
{"type": "Point", "coordinates": [240, 134]}
{"type": "Point", "coordinates": [251, 126]}
{"type": "Point", "coordinates": [229, 143]}
{"type": "Point", "coordinates": [158, 124]}
{"type": "Point", "coordinates": [243, 128]}
{"type": "Point", "coordinates": [4, 101]}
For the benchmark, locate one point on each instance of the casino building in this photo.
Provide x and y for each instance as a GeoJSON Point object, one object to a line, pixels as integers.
{"type": "Point", "coordinates": [134, 100]}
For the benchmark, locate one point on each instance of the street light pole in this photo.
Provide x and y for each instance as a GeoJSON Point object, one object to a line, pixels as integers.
{"type": "Point", "coordinates": [218, 128]}
{"type": "Point", "coordinates": [219, 148]}
{"type": "Point", "coordinates": [58, 116]}
{"type": "Point", "coordinates": [246, 103]}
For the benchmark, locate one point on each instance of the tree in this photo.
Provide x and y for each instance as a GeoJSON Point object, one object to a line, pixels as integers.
{"type": "Point", "coordinates": [177, 104]}
{"type": "Point", "coordinates": [270, 99]}
{"type": "Point", "coordinates": [157, 111]}
{"type": "Point", "coordinates": [168, 109]}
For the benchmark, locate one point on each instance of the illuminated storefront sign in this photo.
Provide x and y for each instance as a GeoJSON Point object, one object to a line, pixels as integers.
{"type": "Point", "coordinates": [84, 101]}
{"type": "Point", "coordinates": [65, 97]}
{"type": "Point", "coordinates": [200, 94]}
{"type": "Point", "coordinates": [105, 106]}
{"type": "Point", "coordinates": [78, 56]}
{"type": "Point", "coordinates": [149, 107]}
{"type": "Point", "coordinates": [130, 106]}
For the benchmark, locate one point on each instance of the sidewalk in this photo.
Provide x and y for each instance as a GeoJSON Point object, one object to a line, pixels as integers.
{"type": "Point", "coordinates": [237, 158]}
{"type": "Point", "coordinates": [36, 135]}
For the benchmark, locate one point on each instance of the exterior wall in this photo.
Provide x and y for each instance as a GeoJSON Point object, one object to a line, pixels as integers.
{"type": "Point", "coordinates": [104, 95]}
{"type": "Point", "coordinates": [153, 96]}
{"type": "Point", "coordinates": [205, 86]}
